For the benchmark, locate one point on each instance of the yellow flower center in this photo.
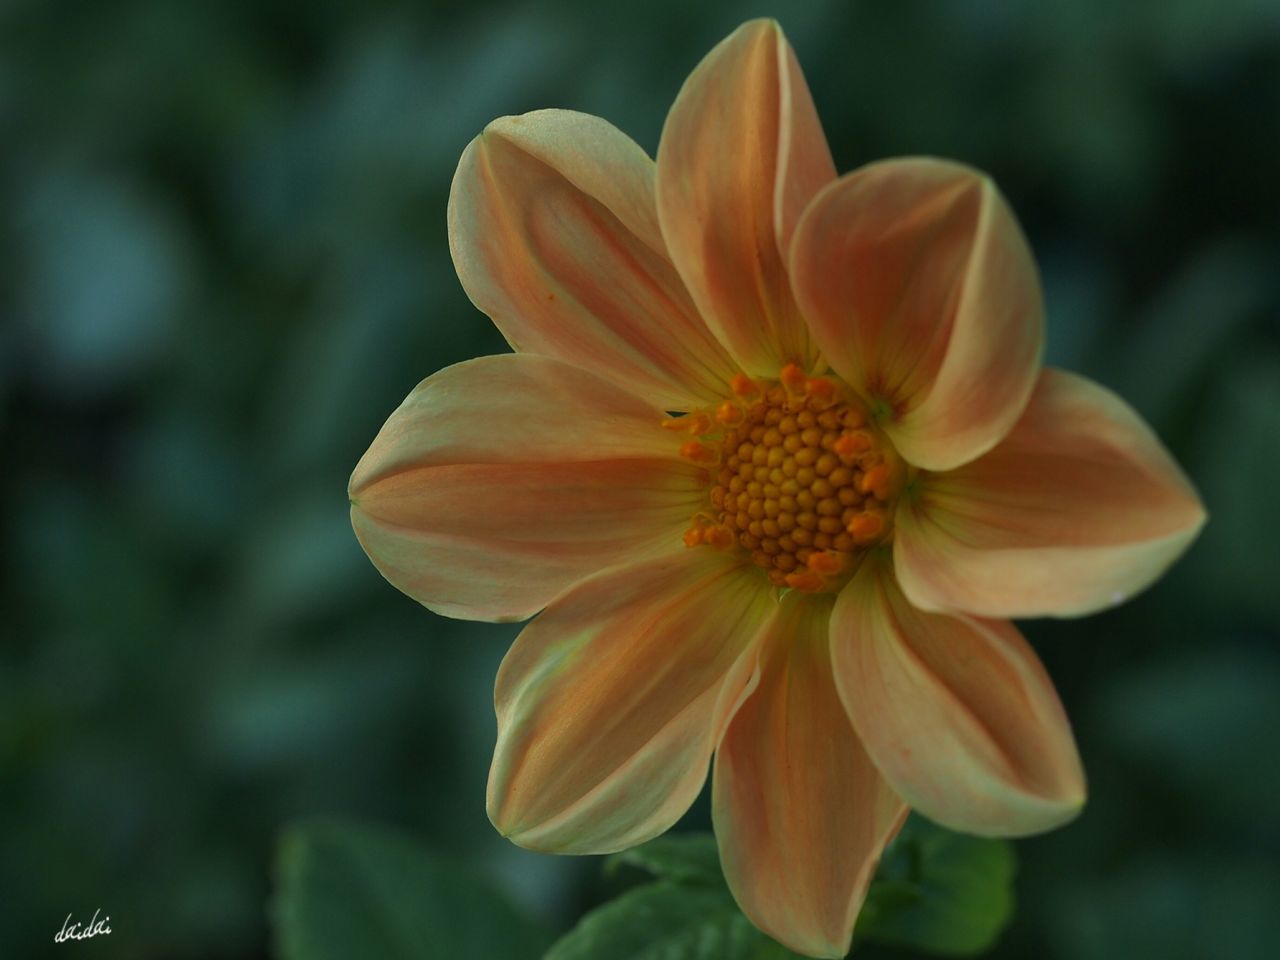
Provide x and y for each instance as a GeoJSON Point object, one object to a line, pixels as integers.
{"type": "Point", "coordinates": [799, 478]}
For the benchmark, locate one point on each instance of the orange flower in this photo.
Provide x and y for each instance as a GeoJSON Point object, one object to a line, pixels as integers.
{"type": "Point", "coordinates": [807, 570]}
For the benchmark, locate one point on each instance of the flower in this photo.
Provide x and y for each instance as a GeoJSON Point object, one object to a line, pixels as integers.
{"type": "Point", "coordinates": [774, 461]}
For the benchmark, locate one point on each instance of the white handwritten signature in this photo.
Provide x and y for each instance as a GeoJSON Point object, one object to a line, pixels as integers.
{"type": "Point", "coordinates": [77, 931]}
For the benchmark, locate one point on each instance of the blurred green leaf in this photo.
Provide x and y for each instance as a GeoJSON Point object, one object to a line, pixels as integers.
{"type": "Point", "coordinates": [1238, 460]}
{"type": "Point", "coordinates": [1221, 906]}
{"type": "Point", "coordinates": [939, 891]}
{"type": "Point", "coordinates": [691, 858]}
{"type": "Point", "coordinates": [1175, 348]}
{"type": "Point", "coordinates": [671, 921]}
{"type": "Point", "coordinates": [101, 309]}
{"type": "Point", "coordinates": [1201, 722]}
{"type": "Point", "coordinates": [348, 890]}
{"type": "Point", "coordinates": [936, 891]}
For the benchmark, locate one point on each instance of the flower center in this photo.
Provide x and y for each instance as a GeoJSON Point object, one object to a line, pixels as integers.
{"type": "Point", "coordinates": [799, 479]}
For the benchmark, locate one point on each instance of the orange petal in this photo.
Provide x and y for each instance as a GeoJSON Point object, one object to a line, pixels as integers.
{"type": "Point", "coordinates": [921, 292]}
{"type": "Point", "coordinates": [611, 702]}
{"type": "Point", "coordinates": [800, 812]}
{"type": "Point", "coordinates": [741, 155]}
{"type": "Point", "coordinates": [1078, 509]}
{"type": "Point", "coordinates": [555, 236]}
{"type": "Point", "coordinates": [502, 481]}
{"type": "Point", "coordinates": [956, 712]}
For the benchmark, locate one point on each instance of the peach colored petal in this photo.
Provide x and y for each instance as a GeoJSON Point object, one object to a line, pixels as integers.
{"type": "Point", "coordinates": [921, 292]}
{"type": "Point", "coordinates": [800, 812]}
{"type": "Point", "coordinates": [1078, 509]}
{"type": "Point", "coordinates": [957, 712]}
{"type": "Point", "coordinates": [555, 236]}
{"type": "Point", "coordinates": [502, 481]}
{"type": "Point", "coordinates": [611, 702]}
{"type": "Point", "coordinates": [741, 154]}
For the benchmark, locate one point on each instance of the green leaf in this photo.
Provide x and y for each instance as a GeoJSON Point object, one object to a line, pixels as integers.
{"type": "Point", "coordinates": [668, 921]}
{"type": "Point", "coordinates": [348, 890]}
{"type": "Point", "coordinates": [691, 858]}
{"type": "Point", "coordinates": [936, 891]}
{"type": "Point", "coordinates": [939, 891]}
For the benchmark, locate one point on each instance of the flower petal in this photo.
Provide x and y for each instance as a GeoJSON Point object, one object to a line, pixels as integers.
{"type": "Point", "coordinates": [921, 291]}
{"type": "Point", "coordinates": [502, 481]}
{"type": "Point", "coordinates": [612, 700]}
{"type": "Point", "coordinates": [555, 236]}
{"type": "Point", "coordinates": [957, 712]}
{"type": "Point", "coordinates": [800, 812]}
{"type": "Point", "coordinates": [741, 155]}
{"type": "Point", "coordinates": [1078, 509]}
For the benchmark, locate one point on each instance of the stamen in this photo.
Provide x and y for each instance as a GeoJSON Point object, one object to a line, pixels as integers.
{"type": "Point", "coordinates": [699, 423]}
{"type": "Point", "coordinates": [827, 563]}
{"type": "Point", "coordinates": [743, 385]}
{"type": "Point", "coordinates": [697, 452]}
{"type": "Point", "coordinates": [729, 413]}
{"type": "Point", "coordinates": [792, 378]}
{"type": "Point", "coordinates": [849, 445]}
{"type": "Point", "coordinates": [821, 391]}
{"type": "Point", "coordinates": [876, 481]}
{"type": "Point", "coordinates": [865, 527]}
{"type": "Point", "coordinates": [719, 537]}
{"type": "Point", "coordinates": [806, 581]}
{"type": "Point", "coordinates": [798, 482]}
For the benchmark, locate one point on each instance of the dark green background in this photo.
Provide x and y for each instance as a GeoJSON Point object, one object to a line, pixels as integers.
{"type": "Point", "coordinates": [224, 263]}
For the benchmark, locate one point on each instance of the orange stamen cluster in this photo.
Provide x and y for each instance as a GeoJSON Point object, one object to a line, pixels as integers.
{"type": "Point", "coordinates": [800, 482]}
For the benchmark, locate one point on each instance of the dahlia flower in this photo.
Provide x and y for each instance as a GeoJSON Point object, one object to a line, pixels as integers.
{"type": "Point", "coordinates": [772, 465]}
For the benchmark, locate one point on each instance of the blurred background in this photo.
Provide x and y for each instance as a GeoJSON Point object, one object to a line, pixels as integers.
{"type": "Point", "coordinates": [225, 264]}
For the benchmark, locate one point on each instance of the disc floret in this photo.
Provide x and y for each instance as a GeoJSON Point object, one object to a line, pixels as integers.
{"type": "Point", "coordinates": [799, 478]}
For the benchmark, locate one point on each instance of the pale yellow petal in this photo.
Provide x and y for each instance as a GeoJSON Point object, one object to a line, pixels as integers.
{"type": "Point", "coordinates": [555, 236]}
{"type": "Point", "coordinates": [957, 712]}
{"type": "Point", "coordinates": [502, 481]}
{"type": "Point", "coordinates": [611, 701]}
{"type": "Point", "coordinates": [801, 814]}
{"type": "Point", "coordinates": [741, 154]}
{"type": "Point", "coordinates": [921, 292]}
{"type": "Point", "coordinates": [1078, 509]}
